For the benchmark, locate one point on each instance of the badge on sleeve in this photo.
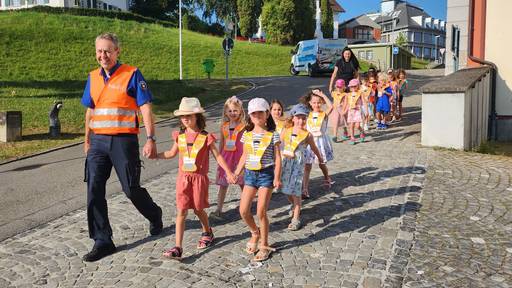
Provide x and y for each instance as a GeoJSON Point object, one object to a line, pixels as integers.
{"type": "Point", "coordinates": [143, 85]}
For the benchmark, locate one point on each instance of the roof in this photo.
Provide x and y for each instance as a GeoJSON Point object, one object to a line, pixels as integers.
{"type": "Point", "coordinates": [457, 82]}
{"type": "Point", "coordinates": [361, 20]}
{"type": "Point", "coordinates": [403, 13]}
{"type": "Point", "coordinates": [336, 7]}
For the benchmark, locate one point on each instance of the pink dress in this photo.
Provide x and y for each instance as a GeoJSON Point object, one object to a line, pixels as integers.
{"type": "Point", "coordinates": [336, 118]}
{"type": "Point", "coordinates": [192, 187]}
{"type": "Point", "coordinates": [232, 158]}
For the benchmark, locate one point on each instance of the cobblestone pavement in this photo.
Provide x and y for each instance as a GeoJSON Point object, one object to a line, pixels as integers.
{"type": "Point", "coordinates": [398, 216]}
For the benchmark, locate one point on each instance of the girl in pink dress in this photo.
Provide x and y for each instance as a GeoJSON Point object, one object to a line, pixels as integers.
{"type": "Point", "coordinates": [193, 144]}
{"type": "Point", "coordinates": [230, 148]}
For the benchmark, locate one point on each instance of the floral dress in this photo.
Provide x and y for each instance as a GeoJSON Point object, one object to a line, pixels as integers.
{"type": "Point", "coordinates": [293, 171]}
{"type": "Point", "coordinates": [324, 145]}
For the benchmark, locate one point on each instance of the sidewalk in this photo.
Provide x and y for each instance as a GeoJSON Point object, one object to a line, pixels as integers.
{"type": "Point", "coordinates": [398, 216]}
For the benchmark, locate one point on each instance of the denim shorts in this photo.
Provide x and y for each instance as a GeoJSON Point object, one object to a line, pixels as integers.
{"type": "Point", "coordinates": [259, 178]}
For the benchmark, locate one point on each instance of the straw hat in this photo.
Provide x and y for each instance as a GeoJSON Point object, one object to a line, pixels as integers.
{"type": "Point", "coordinates": [189, 106]}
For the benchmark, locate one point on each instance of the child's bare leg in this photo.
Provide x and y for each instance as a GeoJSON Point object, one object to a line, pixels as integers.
{"type": "Point", "coordinates": [264, 195]}
{"type": "Point", "coordinates": [220, 198]}
{"type": "Point", "coordinates": [305, 180]}
{"type": "Point", "coordinates": [203, 218]}
{"type": "Point", "coordinates": [400, 111]}
{"type": "Point", "coordinates": [181, 215]}
{"type": "Point", "coordinates": [245, 207]}
{"type": "Point", "coordinates": [297, 202]}
{"type": "Point", "coordinates": [325, 171]}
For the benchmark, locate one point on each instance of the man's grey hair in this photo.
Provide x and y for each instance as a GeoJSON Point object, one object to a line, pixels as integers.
{"type": "Point", "coordinates": [109, 36]}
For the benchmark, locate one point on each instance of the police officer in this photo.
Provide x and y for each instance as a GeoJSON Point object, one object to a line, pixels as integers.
{"type": "Point", "coordinates": [114, 94]}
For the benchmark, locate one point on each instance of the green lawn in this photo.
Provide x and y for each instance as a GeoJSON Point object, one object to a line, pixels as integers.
{"type": "Point", "coordinates": [418, 63]}
{"type": "Point", "coordinates": [46, 57]}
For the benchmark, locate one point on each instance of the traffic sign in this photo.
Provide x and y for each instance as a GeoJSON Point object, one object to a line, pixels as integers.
{"type": "Point", "coordinates": [442, 50]}
{"type": "Point", "coordinates": [396, 50]}
{"type": "Point", "coordinates": [227, 44]}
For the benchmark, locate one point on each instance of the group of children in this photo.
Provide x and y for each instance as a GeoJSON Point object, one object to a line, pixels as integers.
{"type": "Point", "coordinates": [377, 96]}
{"type": "Point", "coordinates": [265, 150]}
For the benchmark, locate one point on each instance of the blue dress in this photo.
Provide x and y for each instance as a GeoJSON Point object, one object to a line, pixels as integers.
{"type": "Point", "coordinates": [383, 105]}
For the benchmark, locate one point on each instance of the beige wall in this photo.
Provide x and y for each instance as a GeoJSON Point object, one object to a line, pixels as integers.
{"type": "Point", "coordinates": [497, 49]}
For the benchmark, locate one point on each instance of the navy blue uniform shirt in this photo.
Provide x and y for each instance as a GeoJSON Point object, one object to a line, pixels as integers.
{"type": "Point", "coordinates": [137, 88]}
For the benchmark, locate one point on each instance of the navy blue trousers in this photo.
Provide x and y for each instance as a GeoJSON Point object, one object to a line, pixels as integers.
{"type": "Point", "coordinates": [122, 152]}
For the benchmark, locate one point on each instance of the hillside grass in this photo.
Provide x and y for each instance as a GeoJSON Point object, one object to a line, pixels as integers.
{"type": "Point", "coordinates": [418, 63]}
{"type": "Point", "coordinates": [46, 57]}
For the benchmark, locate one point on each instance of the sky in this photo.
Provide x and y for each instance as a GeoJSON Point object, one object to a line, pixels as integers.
{"type": "Point", "coordinates": [353, 8]}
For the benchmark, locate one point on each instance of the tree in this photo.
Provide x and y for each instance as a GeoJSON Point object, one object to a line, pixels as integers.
{"type": "Point", "coordinates": [326, 18]}
{"type": "Point", "coordinates": [222, 9]}
{"type": "Point", "coordinates": [248, 14]}
{"type": "Point", "coordinates": [401, 40]}
{"type": "Point", "coordinates": [288, 21]}
{"type": "Point", "coordinates": [159, 9]}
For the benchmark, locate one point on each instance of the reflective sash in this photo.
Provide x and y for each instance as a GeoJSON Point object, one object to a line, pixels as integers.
{"type": "Point", "coordinates": [292, 141]}
{"type": "Point", "coordinates": [230, 137]}
{"type": "Point", "coordinates": [254, 162]}
{"type": "Point", "coordinates": [113, 117]}
{"type": "Point", "coordinates": [353, 98]}
{"type": "Point", "coordinates": [337, 97]}
{"type": "Point", "coordinates": [189, 159]}
{"type": "Point", "coordinates": [315, 120]}
{"type": "Point", "coordinates": [280, 126]}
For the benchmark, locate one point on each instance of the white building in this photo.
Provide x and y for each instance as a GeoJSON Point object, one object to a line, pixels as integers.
{"type": "Point", "coordinates": [98, 4]}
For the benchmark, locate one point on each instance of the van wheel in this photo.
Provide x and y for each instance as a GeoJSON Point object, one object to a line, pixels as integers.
{"type": "Point", "coordinates": [293, 71]}
{"type": "Point", "coordinates": [311, 72]}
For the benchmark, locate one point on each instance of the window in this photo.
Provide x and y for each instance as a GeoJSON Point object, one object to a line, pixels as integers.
{"type": "Point", "coordinates": [77, 2]}
{"type": "Point", "coordinates": [361, 55]}
{"type": "Point", "coordinates": [417, 37]}
{"type": "Point", "coordinates": [434, 53]}
{"type": "Point", "coordinates": [427, 53]}
{"type": "Point", "coordinates": [417, 51]}
{"type": "Point", "coordinates": [363, 32]}
{"type": "Point", "coordinates": [369, 54]}
{"type": "Point", "coordinates": [410, 36]}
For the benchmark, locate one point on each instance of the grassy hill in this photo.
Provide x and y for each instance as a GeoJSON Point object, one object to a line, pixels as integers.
{"type": "Point", "coordinates": [45, 57]}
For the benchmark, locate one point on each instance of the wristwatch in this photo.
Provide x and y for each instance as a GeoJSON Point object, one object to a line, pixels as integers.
{"type": "Point", "coordinates": [151, 137]}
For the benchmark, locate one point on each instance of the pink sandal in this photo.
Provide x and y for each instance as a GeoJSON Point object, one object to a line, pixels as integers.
{"type": "Point", "coordinates": [173, 253]}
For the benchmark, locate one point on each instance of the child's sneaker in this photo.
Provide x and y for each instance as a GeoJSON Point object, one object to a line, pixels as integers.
{"type": "Point", "coordinates": [352, 141]}
{"type": "Point", "coordinates": [361, 139]}
{"type": "Point", "coordinates": [379, 126]}
{"type": "Point", "coordinates": [365, 127]}
{"type": "Point", "coordinates": [384, 126]}
{"type": "Point", "coordinates": [345, 137]}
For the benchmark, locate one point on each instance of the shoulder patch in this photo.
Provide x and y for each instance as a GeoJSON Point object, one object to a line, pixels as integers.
{"type": "Point", "coordinates": [143, 85]}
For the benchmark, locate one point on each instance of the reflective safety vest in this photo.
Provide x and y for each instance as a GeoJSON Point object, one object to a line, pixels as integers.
{"type": "Point", "coordinates": [353, 97]}
{"type": "Point", "coordinates": [115, 111]}
{"type": "Point", "coordinates": [254, 156]}
{"type": "Point", "coordinates": [189, 159]}
{"type": "Point", "coordinates": [292, 141]}
{"type": "Point", "coordinates": [337, 97]}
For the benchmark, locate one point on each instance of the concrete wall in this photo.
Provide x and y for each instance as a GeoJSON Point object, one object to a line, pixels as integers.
{"type": "Point", "coordinates": [443, 125]}
{"type": "Point", "coordinates": [497, 50]}
{"type": "Point", "coordinates": [457, 14]}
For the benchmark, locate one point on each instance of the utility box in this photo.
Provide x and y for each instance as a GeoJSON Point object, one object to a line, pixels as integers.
{"type": "Point", "coordinates": [10, 126]}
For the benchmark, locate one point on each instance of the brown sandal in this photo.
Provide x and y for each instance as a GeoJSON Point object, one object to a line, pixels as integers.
{"type": "Point", "coordinates": [263, 253]}
{"type": "Point", "coordinates": [252, 247]}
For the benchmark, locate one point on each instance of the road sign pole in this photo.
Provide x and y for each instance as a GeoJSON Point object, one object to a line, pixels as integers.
{"type": "Point", "coordinates": [181, 52]}
{"type": "Point", "coordinates": [392, 57]}
{"type": "Point", "coordinates": [226, 53]}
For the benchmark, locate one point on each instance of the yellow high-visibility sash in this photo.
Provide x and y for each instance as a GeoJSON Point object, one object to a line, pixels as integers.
{"type": "Point", "coordinates": [230, 137]}
{"type": "Point", "coordinates": [314, 123]}
{"type": "Point", "coordinates": [292, 141]}
{"type": "Point", "coordinates": [189, 159]}
{"type": "Point", "coordinates": [280, 126]}
{"type": "Point", "coordinates": [353, 97]}
{"type": "Point", "coordinates": [337, 97]}
{"type": "Point", "coordinates": [254, 161]}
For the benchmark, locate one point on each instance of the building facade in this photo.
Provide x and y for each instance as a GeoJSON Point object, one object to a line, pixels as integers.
{"type": "Point", "coordinates": [120, 5]}
{"type": "Point", "coordinates": [425, 36]}
{"type": "Point", "coordinates": [476, 35]}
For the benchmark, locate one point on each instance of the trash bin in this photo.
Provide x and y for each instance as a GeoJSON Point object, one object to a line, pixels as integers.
{"type": "Point", "coordinates": [10, 126]}
{"type": "Point", "coordinates": [208, 66]}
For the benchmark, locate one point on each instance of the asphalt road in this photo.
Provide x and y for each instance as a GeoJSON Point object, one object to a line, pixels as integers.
{"type": "Point", "coordinates": [38, 189]}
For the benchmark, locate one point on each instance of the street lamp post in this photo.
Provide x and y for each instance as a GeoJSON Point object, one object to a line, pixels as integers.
{"type": "Point", "coordinates": [435, 49]}
{"type": "Point", "coordinates": [181, 55]}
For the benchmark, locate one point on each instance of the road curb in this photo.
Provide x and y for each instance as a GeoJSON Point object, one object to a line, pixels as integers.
{"type": "Point", "coordinates": [253, 84]}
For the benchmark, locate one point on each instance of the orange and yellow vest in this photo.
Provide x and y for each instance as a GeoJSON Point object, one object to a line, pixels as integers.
{"type": "Point", "coordinates": [115, 111]}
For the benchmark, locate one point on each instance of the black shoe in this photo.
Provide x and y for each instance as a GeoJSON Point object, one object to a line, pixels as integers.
{"type": "Point", "coordinates": [99, 252]}
{"type": "Point", "coordinates": [156, 227]}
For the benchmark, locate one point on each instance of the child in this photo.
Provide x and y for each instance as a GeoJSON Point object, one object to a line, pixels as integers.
{"type": "Point", "coordinates": [230, 148]}
{"type": "Point", "coordinates": [353, 109]}
{"type": "Point", "coordinates": [403, 85]}
{"type": "Point", "coordinates": [384, 94]}
{"type": "Point", "coordinates": [394, 88]}
{"type": "Point", "coordinates": [295, 140]}
{"type": "Point", "coordinates": [277, 112]}
{"type": "Point", "coordinates": [372, 98]}
{"type": "Point", "coordinates": [317, 126]}
{"type": "Point", "coordinates": [192, 143]}
{"type": "Point", "coordinates": [262, 161]}
{"type": "Point", "coordinates": [337, 119]}
{"type": "Point", "coordinates": [366, 108]}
